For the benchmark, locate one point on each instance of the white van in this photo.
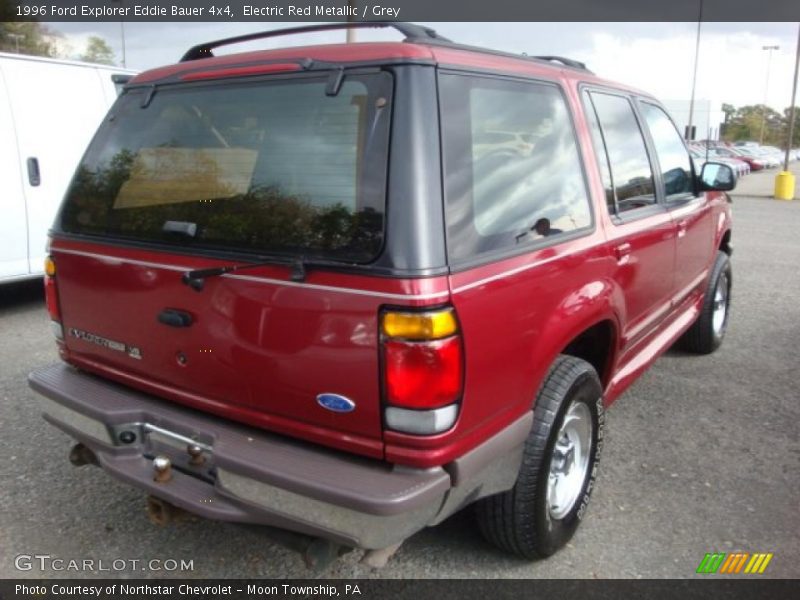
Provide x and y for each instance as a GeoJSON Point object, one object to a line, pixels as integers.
{"type": "Point", "coordinates": [49, 111]}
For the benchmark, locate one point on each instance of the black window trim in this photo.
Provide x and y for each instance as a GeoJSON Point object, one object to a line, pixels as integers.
{"type": "Point", "coordinates": [525, 247]}
{"type": "Point", "coordinates": [584, 91]}
{"type": "Point", "coordinates": [605, 158]}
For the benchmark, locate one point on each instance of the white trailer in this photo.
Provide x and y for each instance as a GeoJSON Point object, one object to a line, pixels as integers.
{"type": "Point", "coordinates": [49, 111]}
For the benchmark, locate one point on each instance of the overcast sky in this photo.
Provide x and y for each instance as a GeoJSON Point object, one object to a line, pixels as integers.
{"type": "Point", "coordinates": [656, 57]}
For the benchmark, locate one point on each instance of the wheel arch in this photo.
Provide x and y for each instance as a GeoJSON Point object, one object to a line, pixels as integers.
{"type": "Point", "coordinates": [586, 326]}
{"type": "Point", "coordinates": [596, 345]}
{"type": "Point", "coordinates": [725, 243]}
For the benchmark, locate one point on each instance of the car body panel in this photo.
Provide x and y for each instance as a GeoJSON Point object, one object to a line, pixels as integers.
{"type": "Point", "coordinates": [264, 347]}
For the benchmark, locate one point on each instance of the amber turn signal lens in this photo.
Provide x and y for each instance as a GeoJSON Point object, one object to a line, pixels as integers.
{"type": "Point", "coordinates": [49, 267]}
{"type": "Point", "coordinates": [419, 326]}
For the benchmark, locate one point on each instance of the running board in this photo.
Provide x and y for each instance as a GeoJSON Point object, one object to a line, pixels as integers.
{"type": "Point", "coordinates": [645, 357]}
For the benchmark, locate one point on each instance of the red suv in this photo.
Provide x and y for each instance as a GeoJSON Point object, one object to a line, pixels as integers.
{"type": "Point", "coordinates": [349, 290]}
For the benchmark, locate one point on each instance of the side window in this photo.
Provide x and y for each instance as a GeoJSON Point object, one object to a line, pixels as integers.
{"type": "Point", "coordinates": [676, 166]}
{"type": "Point", "coordinates": [512, 169]}
{"type": "Point", "coordinates": [627, 154]}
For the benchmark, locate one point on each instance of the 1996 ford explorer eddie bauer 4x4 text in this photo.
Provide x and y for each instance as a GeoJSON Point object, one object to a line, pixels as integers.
{"type": "Point", "coordinates": [348, 290]}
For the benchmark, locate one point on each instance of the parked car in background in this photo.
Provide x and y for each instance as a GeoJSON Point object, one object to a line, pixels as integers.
{"type": "Point", "coordinates": [741, 153]}
{"type": "Point", "coordinates": [287, 290]}
{"type": "Point", "coordinates": [49, 110]}
{"type": "Point", "coordinates": [775, 153]}
{"type": "Point", "coordinates": [705, 153]}
{"type": "Point", "coordinates": [770, 158]}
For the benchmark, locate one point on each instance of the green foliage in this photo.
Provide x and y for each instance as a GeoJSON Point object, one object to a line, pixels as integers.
{"type": "Point", "coordinates": [30, 37]}
{"type": "Point", "coordinates": [746, 122]}
{"type": "Point", "coordinates": [98, 51]}
{"type": "Point", "coordinates": [729, 110]}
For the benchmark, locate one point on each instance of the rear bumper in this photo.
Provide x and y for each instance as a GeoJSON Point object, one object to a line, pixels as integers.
{"type": "Point", "coordinates": [252, 476]}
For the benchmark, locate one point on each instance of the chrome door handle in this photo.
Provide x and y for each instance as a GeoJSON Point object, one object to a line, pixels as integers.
{"type": "Point", "coordinates": [622, 250]}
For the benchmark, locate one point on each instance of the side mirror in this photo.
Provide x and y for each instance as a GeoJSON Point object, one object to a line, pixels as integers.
{"type": "Point", "coordinates": [717, 177]}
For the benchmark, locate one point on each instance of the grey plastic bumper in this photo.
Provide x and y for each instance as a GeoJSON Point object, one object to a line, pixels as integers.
{"type": "Point", "coordinates": [252, 476]}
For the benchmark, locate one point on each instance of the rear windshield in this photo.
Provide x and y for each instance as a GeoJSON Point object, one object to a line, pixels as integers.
{"type": "Point", "coordinates": [275, 167]}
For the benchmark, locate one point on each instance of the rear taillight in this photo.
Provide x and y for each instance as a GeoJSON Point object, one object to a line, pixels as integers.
{"type": "Point", "coordinates": [51, 297]}
{"type": "Point", "coordinates": [423, 370]}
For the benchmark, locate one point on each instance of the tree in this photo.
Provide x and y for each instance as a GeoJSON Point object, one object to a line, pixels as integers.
{"type": "Point", "coordinates": [98, 51]}
{"type": "Point", "coordinates": [729, 110]}
{"type": "Point", "coordinates": [29, 38]}
{"type": "Point", "coordinates": [746, 123]}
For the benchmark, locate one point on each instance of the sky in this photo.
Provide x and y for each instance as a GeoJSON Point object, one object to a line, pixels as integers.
{"type": "Point", "coordinates": [655, 57]}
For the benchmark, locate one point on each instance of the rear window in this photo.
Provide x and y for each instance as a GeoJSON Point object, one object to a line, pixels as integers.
{"type": "Point", "coordinates": [513, 174]}
{"type": "Point", "coordinates": [275, 167]}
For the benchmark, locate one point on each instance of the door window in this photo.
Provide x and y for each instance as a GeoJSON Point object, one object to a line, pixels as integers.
{"type": "Point", "coordinates": [676, 166]}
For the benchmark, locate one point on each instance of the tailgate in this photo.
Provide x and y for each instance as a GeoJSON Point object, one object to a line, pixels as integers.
{"type": "Point", "coordinates": [260, 348]}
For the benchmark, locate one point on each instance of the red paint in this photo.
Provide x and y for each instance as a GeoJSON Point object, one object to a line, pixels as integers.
{"type": "Point", "coordinates": [262, 347]}
{"type": "Point", "coordinates": [338, 53]}
{"type": "Point", "coordinates": [51, 298]}
{"type": "Point", "coordinates": [260, 350]}
{"type": "Point", "coordinates": [423, 375]}
{"type": "Point", "coordinates": [241, 71]}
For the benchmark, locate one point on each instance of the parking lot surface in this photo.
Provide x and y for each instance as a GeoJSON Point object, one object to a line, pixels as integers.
{"type": "Point", "coordinates": [702, 455]}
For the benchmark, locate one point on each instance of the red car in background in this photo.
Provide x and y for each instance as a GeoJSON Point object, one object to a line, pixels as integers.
{"type": "Point", "coordinates": [706, 152]}
{"type": "Point", "coordinates": [756, 164]}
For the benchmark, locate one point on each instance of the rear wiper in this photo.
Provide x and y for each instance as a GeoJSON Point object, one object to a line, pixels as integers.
{"type": "Point", "coordinates": [196, 279]}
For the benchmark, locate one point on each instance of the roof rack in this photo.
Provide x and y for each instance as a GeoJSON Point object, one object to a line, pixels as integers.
{"type": "Point", "coordinates": [575, 64]}
{"type": "Point", "coordinates": [413, 33]}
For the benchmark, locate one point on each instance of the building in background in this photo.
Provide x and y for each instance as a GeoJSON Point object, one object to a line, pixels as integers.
{"type": "Point", "coordinates": [707, 120]}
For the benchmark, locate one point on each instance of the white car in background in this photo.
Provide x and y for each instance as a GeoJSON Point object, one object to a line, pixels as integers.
{"type": "Point", "coordinates": [49, 111]}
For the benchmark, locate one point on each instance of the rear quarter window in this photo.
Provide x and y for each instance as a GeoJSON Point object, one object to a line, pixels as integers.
{"type": "Point", "coordinates": [513, 174]}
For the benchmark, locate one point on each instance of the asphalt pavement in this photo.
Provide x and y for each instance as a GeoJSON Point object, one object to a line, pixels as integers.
{"type": "Point", "coordinates": [702, 455]}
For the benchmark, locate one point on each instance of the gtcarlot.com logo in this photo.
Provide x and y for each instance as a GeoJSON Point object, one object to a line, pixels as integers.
{"type": "Point", "coordinates": [734, 563]}
{"type": "Point", "coordinates": [45, 562]}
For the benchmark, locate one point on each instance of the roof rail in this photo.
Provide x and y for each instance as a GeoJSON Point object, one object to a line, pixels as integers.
{"type": "Point", "coordinates": [575, 64]}
{"type": "Point", "coordinates": [413, 33]}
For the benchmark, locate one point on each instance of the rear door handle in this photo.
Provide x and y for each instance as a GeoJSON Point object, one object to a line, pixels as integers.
{"type": "Point", "coordinates": [175, 318]}
{"type": "Point", "coordinates": [682, 225]}
{"type": "Point", "coordinates": [34, 176]}
{"type": "Point", "coordinates": [622, 250]}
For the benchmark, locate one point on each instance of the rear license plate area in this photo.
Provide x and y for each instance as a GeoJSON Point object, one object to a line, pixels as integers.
{"type": "Point", "coordinates": [190, 454]}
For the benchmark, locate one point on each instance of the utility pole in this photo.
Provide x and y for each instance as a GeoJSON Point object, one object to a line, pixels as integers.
{"type": "Point", "coordinates": [122, 34]}
{"type": "Point", "coordinates": [766, 91]}
{"type": "Point", "coordinates": [784, 181]}
{"type": "Point", "coordinates": [690, 124]}
{"type": "Point", "coordinates": [351, 33]}
{"type": "Point", "coordinates": [792, 105]}
{"type": "Point", "coordinates": [17, 37]}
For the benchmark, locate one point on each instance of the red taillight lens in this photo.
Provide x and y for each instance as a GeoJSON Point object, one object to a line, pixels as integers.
{"type": "Point", "coordinates": [423, 375]}
{"type": "Point", "coordinates": [50, 291]}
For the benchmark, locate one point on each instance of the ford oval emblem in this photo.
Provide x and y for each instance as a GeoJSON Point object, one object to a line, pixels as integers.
{"type": "Point", "coordinates": [336, 403]}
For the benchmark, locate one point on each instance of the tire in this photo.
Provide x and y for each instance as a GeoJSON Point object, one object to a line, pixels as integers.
{"type": "Point", "coordinates": [521, 521]}
{"type": "Point", "coordinates": [706, 334]}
